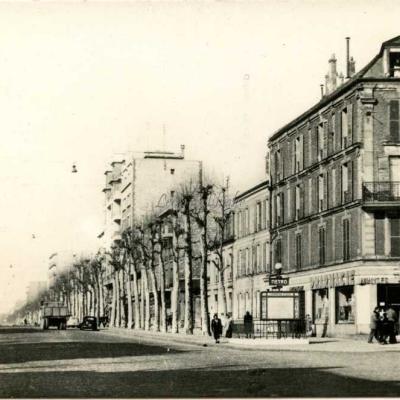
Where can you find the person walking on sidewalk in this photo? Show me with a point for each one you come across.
(248, 324)
(392, 324)
(216, 328)
(374, 333)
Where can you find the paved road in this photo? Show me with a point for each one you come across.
(97, 364)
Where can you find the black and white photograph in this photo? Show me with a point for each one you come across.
(199, 199)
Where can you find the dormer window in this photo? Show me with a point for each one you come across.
(394, 63)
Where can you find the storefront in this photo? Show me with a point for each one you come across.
(340, 301)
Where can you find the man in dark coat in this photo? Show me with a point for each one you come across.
(248, 324)
(216, 328)
(374, 333)
(391, 316)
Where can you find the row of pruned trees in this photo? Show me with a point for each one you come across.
(148, 279)
(159, 263)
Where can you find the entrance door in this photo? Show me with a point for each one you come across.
(395, 176)
(390, 295)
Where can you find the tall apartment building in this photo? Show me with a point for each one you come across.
(139, 184)
(335, 196)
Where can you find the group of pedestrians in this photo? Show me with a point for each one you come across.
(384, 325)
(224, 326)
(221, 327)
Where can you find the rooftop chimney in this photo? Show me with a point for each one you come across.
(352, 66)
(183, 150)
(347, 57)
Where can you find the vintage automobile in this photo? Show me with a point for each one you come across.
(88, 322)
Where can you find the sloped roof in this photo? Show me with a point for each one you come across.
(326, 99)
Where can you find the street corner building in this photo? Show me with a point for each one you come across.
(335, 196)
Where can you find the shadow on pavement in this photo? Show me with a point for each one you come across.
(24, 352)
(9, 330)
(274, 382)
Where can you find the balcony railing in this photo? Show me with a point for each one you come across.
(381, 191)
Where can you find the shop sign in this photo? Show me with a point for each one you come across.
(335, 279)
(278, 281)
(373, 280)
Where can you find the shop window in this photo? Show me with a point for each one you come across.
(345, 304)
(321, 305)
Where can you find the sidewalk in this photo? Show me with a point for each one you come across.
(357, 344)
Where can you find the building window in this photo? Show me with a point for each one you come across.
(298, 250)
(321, 184)
(394, 120)
(278, 251)
(321, 305)
(277, 164)
(333, 186)
(344, 127)
(332, 133)
(265, 256)
(321, 141)
(258, 259)
(258, 217)
(298, 202)
(395, 236)
(247, 261)
(345, 304)
(394, 64)
(247, 221)
(298, 147)
(279, 209)
(322, 245)
(346, 240)
(345, 182)
(310, 196)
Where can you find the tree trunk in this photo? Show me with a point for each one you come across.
(114, 302)
(205, 317)
(138, 324)
(156, 325)
(142, 298)
(163, 316)
(147, 300)
(188, 321)
(175, 296)
(222, 291)
(129, 296)
(122, 301)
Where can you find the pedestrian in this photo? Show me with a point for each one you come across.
(228, 326)
(374, 332)
(392, 324)
(248, 324)
(382, 324)
(309, 325)
(216, 328)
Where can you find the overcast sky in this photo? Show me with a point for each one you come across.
(82, 81)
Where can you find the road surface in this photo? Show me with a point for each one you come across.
(85, 364)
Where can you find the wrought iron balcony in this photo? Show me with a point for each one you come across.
(381, 192)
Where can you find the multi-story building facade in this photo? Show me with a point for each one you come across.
(250, 250)
(335, 197)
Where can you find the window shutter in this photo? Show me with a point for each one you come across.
(350, 124)
(326, 134)
(394, 120)
(301, 201)
(282, 208)
(326, 191)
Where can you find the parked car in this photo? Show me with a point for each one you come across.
(72, 322)
(88, 322)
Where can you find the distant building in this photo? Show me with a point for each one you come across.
(335, 180)
(140, 184)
